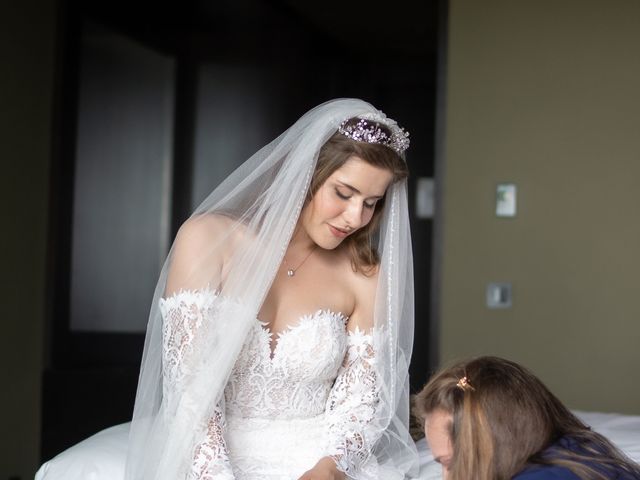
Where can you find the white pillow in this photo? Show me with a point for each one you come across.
(429, 468)
(622, 430)
(99, 457)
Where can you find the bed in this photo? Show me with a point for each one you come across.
(102, 456)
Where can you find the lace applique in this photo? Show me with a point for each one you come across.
(352, 405)
(185, 316)
(293, 380)
(210, 456)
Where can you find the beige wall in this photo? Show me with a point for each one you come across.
(26, 79)
(546, 94)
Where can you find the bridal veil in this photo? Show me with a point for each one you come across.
(260, 203)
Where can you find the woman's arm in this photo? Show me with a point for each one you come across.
(188, 311)
(210, 456)
(353, 405)
(354, 398)
(184, 315)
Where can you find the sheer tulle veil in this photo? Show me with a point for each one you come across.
(260, 203)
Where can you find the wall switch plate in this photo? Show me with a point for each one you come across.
(425, 193)
(506, 194)
(499, 295)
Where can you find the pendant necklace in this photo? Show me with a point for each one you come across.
(292, 271)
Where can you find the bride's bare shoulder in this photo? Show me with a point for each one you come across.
(206, 225)
(363, 283)
(200, 250)
(207, 229)
(360, 279)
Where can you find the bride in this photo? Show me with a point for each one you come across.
(281, 329)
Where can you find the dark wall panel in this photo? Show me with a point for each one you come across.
(122, 173)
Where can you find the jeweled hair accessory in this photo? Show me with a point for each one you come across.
(464, 384)
(370, 129)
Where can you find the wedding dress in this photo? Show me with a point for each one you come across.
(293, 397)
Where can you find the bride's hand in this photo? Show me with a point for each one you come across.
(325, 469)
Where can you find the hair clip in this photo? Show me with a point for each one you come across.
(464, 384)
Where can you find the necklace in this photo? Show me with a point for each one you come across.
(292, 271)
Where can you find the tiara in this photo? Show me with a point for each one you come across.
(368, 129)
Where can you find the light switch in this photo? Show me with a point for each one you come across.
(425, 191)
(499, 295)
(506, 200)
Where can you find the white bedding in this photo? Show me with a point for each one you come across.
(102, 456)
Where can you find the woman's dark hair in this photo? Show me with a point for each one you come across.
(333, 155)
(504, 417)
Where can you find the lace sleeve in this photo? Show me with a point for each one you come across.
(210, 457)
(352, 405)
(185, 315)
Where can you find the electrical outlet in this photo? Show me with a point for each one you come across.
(506, 194)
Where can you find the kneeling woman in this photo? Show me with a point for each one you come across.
(489, 418)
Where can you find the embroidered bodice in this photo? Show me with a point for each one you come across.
(295, 379)
(314, 368)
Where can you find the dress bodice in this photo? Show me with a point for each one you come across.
(316, 394)
(293, 380)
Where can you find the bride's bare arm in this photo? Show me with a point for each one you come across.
(191, 301)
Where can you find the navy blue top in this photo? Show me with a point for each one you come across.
(555, 472)
(546, 472)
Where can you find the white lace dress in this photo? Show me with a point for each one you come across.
(314, 395)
